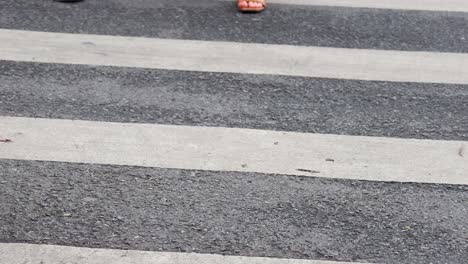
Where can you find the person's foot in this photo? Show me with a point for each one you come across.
(251, 5)
(247, 4)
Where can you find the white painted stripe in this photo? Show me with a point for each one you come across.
(253, 58)
(48, 254)
(429, 5)
(234, 149)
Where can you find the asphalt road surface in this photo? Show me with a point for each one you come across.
(80, 198)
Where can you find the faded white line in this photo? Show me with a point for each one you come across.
(210, 56)
(49, 254)
(234, 149)
(429, 5)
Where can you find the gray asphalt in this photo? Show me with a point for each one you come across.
(224, 212)
(407, 110)
(232, 213)
(214, 20)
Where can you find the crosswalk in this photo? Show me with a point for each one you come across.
(60, 254)
(321, 134)
(197, 148)
(187, 55)
(426, 5)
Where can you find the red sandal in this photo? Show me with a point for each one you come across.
(245, 5)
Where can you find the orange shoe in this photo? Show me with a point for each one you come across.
(251, 5)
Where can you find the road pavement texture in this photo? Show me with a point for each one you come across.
(196, 200)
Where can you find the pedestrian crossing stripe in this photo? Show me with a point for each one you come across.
(235, 149)
(425, 5)
(234, 57)
(50, 254)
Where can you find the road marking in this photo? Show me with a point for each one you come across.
(210, 56)
(234, 149)
(429, 5)
(49, 254)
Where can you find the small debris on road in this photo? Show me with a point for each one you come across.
(406, 228)
(331, 160)
(461, 151)
(88, 43)
(5, 140)
(310, 171)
